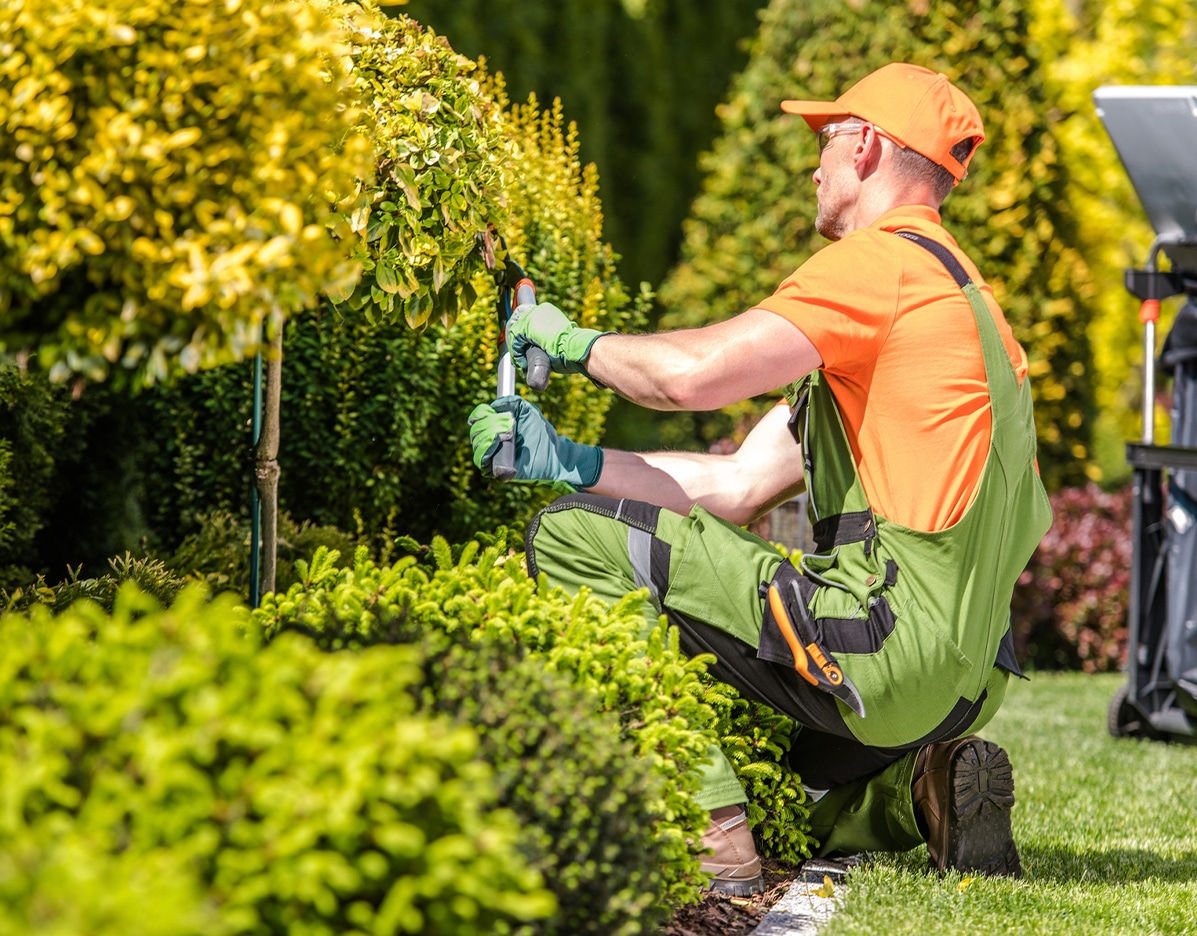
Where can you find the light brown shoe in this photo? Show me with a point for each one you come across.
(964, 792)
(734, 861)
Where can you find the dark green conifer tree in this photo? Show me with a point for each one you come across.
(754, 221)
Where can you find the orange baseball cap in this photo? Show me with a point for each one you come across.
(919, 108)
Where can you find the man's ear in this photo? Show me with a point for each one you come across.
(867, 153)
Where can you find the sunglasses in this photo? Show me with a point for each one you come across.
(824, 134)
(827, 131)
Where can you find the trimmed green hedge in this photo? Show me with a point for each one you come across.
(666, 709)
(277, 789)
(33, 423)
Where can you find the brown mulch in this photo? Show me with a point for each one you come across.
(719, 915)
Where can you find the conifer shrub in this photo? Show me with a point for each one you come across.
(149, 575)
(216, 555)
(158, 754)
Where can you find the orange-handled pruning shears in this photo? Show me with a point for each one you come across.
(811, 662)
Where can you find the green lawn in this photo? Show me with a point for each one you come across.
(1107, 831)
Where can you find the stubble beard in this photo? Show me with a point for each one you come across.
(829, 216)
(829, 223)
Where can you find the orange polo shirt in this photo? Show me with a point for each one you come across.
(902, 358)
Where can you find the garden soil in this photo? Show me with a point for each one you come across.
(719, 915)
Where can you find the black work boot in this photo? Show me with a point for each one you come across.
(735, 863)
(963, 793)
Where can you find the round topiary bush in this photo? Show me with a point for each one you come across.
(363, 392)
(167, 179)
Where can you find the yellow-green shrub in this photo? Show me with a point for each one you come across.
(593, 733)
(373, 422)
(373, 413)
(476, 593)
(654, 693)
(166, 178)
(438, 139)
(1085, 46)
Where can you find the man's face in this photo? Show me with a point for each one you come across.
(836, 185)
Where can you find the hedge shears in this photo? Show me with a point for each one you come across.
(513, 282)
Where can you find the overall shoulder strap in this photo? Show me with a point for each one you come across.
(944, 255)
(1003, 385)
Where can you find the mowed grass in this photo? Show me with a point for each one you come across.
(1107, 831)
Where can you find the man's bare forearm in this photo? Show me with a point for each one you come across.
(740, 487)
(703, 368)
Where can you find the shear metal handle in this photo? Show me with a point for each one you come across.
(502, 466)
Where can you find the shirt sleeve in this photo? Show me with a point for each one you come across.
(844, 299)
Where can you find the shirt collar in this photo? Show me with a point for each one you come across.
(904, 215)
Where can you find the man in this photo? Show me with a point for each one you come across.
(909, 425)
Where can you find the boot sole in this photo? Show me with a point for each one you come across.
(745, 888)
(979, 834)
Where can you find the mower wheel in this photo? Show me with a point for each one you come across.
(1123, 719)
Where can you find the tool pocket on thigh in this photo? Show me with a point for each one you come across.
(837, 616)
(791, 636)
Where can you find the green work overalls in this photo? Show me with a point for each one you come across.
(919, 622)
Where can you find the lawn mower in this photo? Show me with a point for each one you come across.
(1154, 130)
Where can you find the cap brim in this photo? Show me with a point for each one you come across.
(815, 113)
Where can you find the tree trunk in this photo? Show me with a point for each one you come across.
(266, 468)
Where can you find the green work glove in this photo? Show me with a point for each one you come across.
(540, 453)
(566, 344)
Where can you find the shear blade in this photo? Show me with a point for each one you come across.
(846, 693)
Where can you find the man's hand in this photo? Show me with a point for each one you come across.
(566, 344)
(540, 453)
